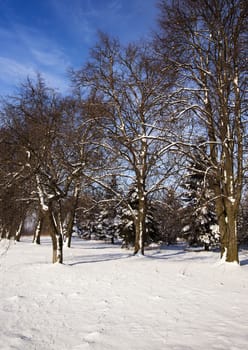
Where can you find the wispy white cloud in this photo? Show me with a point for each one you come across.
(12, 70)
(40, 46)
(26, 51)
(50, 58)
(13, 73)
(62, 39)
(58, 82)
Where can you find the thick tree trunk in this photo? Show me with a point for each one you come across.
(56, 236)
(46, 210)
(227, 220)
(57, 242)
(3, 232)
(139, 238)
(140, 225)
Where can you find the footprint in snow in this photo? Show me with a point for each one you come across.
(92, 337)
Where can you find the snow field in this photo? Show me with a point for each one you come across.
(102, 297)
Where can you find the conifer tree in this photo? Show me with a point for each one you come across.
(199, 215)
(126, 228)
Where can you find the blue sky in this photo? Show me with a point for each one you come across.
(49, 36)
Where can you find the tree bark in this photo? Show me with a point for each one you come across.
(18, 232)
(69, 226)
(217, 73)
(56, 236)
(37, 232)
(140, 222)
(227, 220)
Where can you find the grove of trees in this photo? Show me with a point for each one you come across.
(144, 123)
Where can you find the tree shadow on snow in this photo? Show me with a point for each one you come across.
(164, 252)
(78, 243)
(89, 259)
(180, 251)
(244, 262)
(165, 255)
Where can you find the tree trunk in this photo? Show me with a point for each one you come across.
(18, 232)
(227, 220)
(3, 232)
(56, 236)
(140, 224)
(69, 227)
(59, 240)
(72, 213)
(37, 232)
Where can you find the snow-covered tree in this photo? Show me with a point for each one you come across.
(104, 224)
(54, 137)
(243, 220)
(15, 183)
(134, 93)
(126, 224)
(168, 215)
(200, 222)
(206, 41)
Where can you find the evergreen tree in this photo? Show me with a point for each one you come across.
(168, 215)
(243, 220)
(103, 222)
(126, 228)
(199, 213)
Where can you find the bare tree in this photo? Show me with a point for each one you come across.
(14, 186)
(134, 93)
(84, 152)
(56, 139)
(35, 122)
(207, 42)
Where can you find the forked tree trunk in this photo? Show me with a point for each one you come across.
(47, 215)
(56, 236)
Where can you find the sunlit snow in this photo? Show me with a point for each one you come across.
(104, 298)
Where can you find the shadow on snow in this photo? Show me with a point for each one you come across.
(88, 259)
(244, 262)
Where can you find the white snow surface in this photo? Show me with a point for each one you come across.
(103, 297)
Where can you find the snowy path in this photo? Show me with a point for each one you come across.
(104, 298)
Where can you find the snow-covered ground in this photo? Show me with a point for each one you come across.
(105, 298)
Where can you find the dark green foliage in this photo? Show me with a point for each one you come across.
(200, 223)
(126, 229)
(168, 216)
(243, 221)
